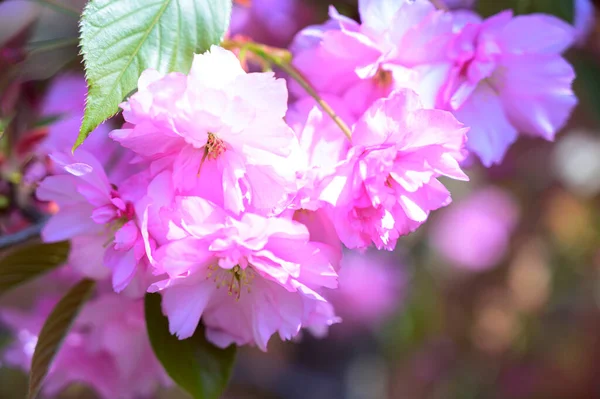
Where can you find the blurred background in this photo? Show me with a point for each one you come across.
(497, 296)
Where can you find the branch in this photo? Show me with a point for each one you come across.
(22, 235)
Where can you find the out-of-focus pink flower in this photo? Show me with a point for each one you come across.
(246, 278)
(507, 77)
(107, 349)
(273, 22)
(475, 232)
(370, 288)
(65, 100)
(93, 214)
(220, 129)
(388, 184)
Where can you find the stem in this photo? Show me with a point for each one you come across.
(297, 76)
(283, 61)
(22, 235)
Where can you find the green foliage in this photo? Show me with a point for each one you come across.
(197, 366)
(54, 331)
(120, 39)
(564, 9)
(28, 262)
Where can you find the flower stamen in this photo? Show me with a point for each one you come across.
(234, 279)
(213, 148)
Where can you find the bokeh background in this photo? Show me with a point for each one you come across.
(496, 296)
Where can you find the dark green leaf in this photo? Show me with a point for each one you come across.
(28, 262)
(54, 331)
(196, 365)
(120, 39)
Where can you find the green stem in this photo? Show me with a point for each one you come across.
(284, 62)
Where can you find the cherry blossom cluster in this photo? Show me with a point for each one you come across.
(235, 208)
(501, 76)
(234, 199)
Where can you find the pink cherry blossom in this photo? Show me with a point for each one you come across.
(220, 129)
(507, 77)
(356, 56)
(247, 278)
(93, 214)
(388, 184)
(107, 348)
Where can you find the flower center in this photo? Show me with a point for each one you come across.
(124, 213)
(389, 181)
(236, 279)
(214, 146)
(383, 78)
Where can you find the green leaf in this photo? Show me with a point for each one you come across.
(120, 39)
(197, 366)
(28, 262)
(564, 9)
(54, 331)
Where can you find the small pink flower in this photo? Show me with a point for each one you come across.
(507, 77)
(247, 278)
(388, 184)
(93, 214)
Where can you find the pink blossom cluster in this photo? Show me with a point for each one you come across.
(501, 76)
(234, 216)
(234, 203)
